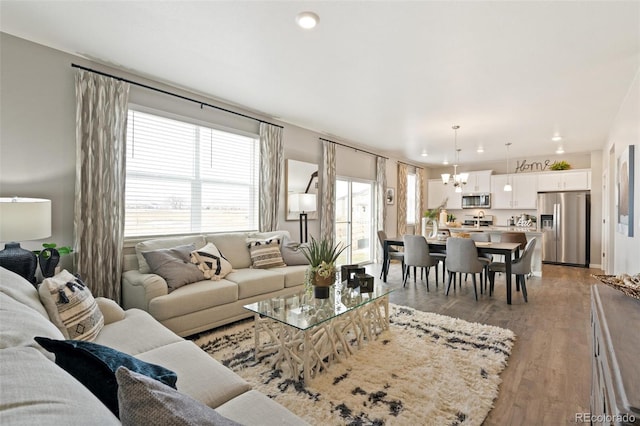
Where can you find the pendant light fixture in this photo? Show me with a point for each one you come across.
(507, 186)
(458, 179)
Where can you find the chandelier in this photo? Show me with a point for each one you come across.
(458, 180)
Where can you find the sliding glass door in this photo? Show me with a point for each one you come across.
(354, 220)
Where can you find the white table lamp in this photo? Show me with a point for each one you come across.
(302, 203)
(23, 219)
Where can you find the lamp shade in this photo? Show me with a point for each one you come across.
(23, 219)
(302, 202)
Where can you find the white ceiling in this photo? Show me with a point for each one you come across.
(389, 75)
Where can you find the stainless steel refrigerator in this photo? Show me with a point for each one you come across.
(564, 219)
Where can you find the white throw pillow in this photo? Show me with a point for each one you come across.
(211, 262)
(71, 307)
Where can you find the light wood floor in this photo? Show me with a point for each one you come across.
(548, 378)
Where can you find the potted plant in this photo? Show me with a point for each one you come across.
(560, 165)
(322, 256)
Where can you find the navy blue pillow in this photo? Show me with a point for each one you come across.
(95, 367)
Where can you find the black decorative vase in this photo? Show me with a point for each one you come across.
(49, 259)
(22, 262)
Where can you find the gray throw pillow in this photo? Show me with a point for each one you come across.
(174, 265)
(291, 253)
(144, 401)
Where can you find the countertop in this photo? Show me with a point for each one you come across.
(494, 229)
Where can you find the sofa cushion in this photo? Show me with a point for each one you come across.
(143, 401)
(233, 245)
(18, 288)
(263, 411)
(211, 262)
(265, 253)
(293, 275)
(71, 306)
(19, 324)
(163, 243)
(35, 391)
(192, 298)
(174, 265)
(137, 332)
(199, 375)
(253, 282)
(95, 366)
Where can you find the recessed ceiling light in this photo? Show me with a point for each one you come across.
(560, 150)
(424, 153)
(480, 150)
(445, 162)
(556, 138)
(307, 20)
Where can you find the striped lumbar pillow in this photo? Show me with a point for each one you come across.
(71, 307)
(265, 253)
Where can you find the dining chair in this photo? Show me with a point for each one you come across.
(462, 257)
(484, 238)
(442, 257)
(416, 254)
(520, 268)
(394, 253)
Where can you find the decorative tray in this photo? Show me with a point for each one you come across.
(629, 285)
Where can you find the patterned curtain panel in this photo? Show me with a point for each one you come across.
(327, 200)
(401, 198)
(381, 187)
(420, 174)
(101, 127)
(271, 166)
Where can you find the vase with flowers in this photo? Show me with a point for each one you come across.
(322, 256)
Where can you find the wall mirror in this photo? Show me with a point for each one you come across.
(301, 178)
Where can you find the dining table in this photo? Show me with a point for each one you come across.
(510, 251)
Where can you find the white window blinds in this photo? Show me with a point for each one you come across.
(186, 178)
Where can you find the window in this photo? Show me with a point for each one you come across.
(411, 199)
(187, 178)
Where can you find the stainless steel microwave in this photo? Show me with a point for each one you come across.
(476, 201)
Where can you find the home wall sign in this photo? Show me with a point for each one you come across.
(533, 166)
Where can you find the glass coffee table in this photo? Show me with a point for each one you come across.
(308, 334)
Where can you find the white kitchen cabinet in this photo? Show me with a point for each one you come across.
(566, 180)
(478, 182)
(437, 192)
(522, 196)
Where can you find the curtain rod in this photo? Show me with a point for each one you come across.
(166, 92)
(412, 165)
(356, 149)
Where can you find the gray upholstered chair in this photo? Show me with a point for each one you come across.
(520, 268)
(442, 257)
(462, 257)
(416, 254)
(485, 238)
(394, 254)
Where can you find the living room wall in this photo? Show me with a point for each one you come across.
(624, 132)
(37, 132)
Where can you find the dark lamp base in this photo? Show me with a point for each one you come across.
(18, 260)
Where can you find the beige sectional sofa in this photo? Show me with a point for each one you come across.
(35, 391)
(207, 304)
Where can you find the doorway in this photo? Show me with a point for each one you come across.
(354, 220)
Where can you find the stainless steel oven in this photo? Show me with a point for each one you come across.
(476, 201)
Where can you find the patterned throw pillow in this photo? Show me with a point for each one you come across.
(147, 402)
(265, 253)
(211, 262)
(71, 307)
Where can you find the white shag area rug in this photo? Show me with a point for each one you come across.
(428, 369)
